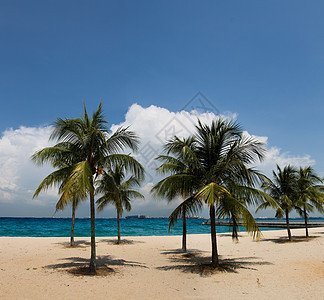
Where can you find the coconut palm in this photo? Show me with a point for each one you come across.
(87, 136)
(309, 195)
(224, 155)
(74, 204)
(117, 190)
(283, 189)
(63, 162)
(182, 182)
(219, 159)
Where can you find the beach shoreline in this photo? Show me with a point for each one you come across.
(154, 267)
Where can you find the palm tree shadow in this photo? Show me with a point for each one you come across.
(285, 240)
(80, 266)
(122, 242)
(194, 262)
(228, 234)
(77, 244)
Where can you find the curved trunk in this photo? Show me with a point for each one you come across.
(305, 217)
(184, 230)
(92, 265)
(215, 261)
(288, 227)
(72, 226)
(118, 225)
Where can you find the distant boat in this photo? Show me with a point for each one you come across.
(136, 217)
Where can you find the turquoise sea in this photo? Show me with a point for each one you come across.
(52, 227)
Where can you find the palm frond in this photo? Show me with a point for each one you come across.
(211, 193)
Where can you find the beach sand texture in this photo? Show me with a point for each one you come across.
(154, 268)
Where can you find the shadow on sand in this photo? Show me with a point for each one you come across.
(295, 239)
(80, 266)
(77, 244)
(194, 262)
(122, 242)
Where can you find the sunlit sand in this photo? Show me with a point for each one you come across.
(155, 268)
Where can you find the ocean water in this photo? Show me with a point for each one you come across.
(61, 227)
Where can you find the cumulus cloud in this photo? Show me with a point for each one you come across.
(155, 125)
(19, 176)
(274, 156)
(17, 172)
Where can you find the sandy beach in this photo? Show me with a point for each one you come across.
(155, 268)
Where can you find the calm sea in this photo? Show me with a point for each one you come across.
(52, 227)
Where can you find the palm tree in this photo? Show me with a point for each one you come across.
(74, 203)
(88, 139)
(219, 159)
(190, 206)
(309, 195)
(66, 161)
(182, 181)
(117, 190)
(283, 189)
(223, 156)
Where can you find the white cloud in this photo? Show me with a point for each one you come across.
(19, 177)
(156, 124)
(18, 174)
(274, 156)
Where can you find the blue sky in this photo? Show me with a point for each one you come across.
(261, 60)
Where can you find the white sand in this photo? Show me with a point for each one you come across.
(153, 268)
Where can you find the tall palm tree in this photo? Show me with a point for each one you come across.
(62, 162)
(219, 159)
(223, 156)
(309, 193)
(117, 190)
(87, 136)
(182, 181)
(283, 189)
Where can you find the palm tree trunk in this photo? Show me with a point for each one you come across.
(118, 225)
(184, 230)
(92, 266)
(288, 227)
(215, 261)
(72, 226)
(306, 225)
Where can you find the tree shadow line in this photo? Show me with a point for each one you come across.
(122, 242)
(285, 240)
(80, 265)
(85, 243)
(195, 262)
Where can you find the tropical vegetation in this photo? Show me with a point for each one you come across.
(220, 156)
(117, 189)
(294, 189)
(86, 147)
(182, 181)
(309, 193)
(283, 189)
(213, 166)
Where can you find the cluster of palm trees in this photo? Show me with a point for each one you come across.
(295, 189)
(87, 160)
(211, 167)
